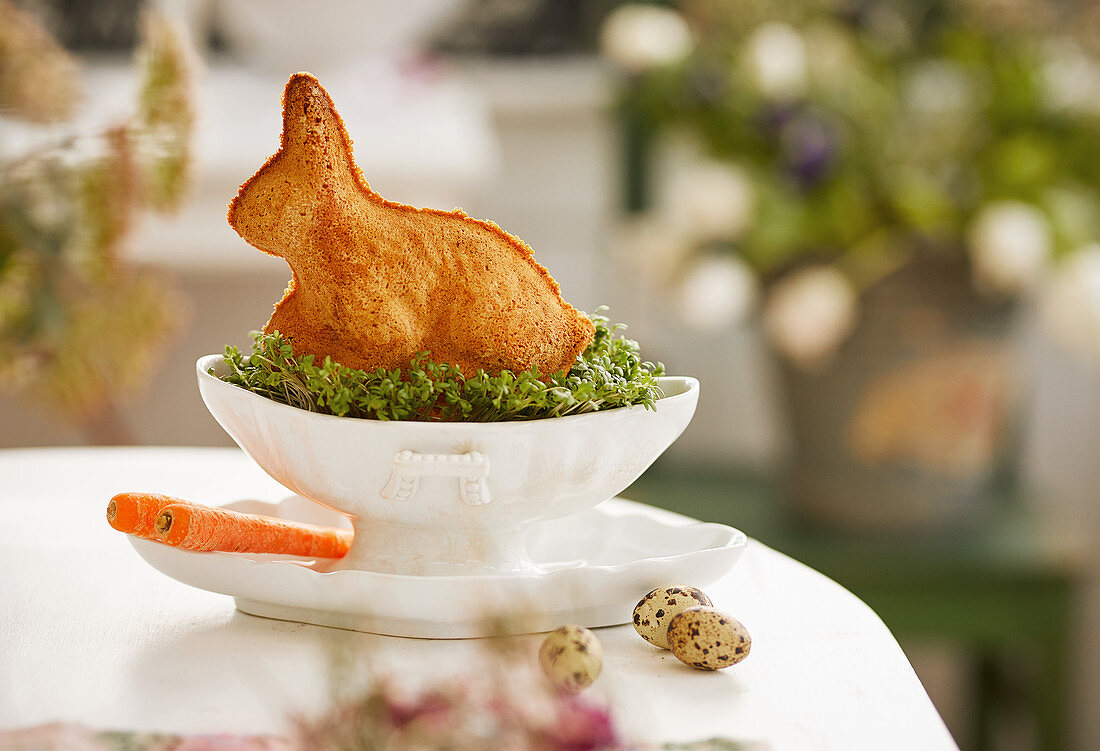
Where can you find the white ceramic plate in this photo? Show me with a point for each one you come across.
(592, 568)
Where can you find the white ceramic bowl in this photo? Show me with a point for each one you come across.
(447, 498)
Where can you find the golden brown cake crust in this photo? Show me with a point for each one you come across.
(376, 282)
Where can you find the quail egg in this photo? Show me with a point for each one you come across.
(571, 657)
(656, 610)
(708, 639)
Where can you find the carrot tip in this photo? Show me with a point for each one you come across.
(112, 510)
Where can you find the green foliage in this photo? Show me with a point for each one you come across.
(609, 373)
(39, 80)
(165, 115)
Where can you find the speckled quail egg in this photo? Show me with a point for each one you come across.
(708, 639)
(571, 657)
(656, 610)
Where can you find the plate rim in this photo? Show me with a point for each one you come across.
(738, 540)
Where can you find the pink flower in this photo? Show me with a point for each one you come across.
(431, 711)
(581, 726)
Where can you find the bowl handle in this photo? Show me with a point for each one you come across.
(471, 469)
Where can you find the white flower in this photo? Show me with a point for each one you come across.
(1071, 78)
(1009, 246)
(809, 313)
(776, 56)
(715, 292)
(1070, 303)
(934, 87)
(708, 201)
(640, 37)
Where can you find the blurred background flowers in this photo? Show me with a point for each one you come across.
(870, 227)
(896, 176)
(79, 327)
(867, 134)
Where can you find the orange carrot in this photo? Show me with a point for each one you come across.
(135, 513)
(194, 527)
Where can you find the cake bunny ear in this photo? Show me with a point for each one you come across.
(314, 158)
(313, 133)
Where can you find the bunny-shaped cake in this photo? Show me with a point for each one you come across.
(375, 282)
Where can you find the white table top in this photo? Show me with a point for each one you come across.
(89, 633)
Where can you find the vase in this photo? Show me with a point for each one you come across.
(909, 426)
